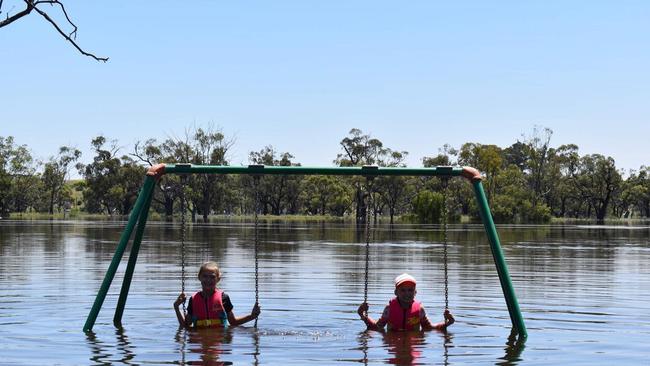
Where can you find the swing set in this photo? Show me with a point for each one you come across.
(140, 214)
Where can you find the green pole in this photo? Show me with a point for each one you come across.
(499, 260)
(119, 251)
(133, 257)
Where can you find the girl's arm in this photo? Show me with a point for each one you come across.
(182, 321)
(370, 323)
(235, 321)
(449, 320)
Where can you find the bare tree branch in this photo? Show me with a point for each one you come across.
(33, 5)
(11, 19)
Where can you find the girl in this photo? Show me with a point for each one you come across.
(403, 312)
(210, 307)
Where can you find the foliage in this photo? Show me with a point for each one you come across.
(19, 184)
(528, 181)
(55, 174)
(427, 207)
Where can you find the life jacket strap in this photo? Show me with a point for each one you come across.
(209, 322)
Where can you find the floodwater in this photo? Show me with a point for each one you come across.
(583, 292)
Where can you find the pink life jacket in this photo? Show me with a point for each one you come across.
(208, 312)
(403, 319)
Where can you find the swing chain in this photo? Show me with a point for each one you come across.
(256, 179)
(183, 227)
(445, 184)
(369, 204)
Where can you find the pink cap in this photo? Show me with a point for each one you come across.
(404, 278)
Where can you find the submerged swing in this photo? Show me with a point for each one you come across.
(395, 314)
(210, 321)
(139, 217)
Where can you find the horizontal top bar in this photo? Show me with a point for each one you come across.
(368, 171)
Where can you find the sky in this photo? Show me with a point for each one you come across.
(298, 75)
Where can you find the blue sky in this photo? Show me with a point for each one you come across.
(300, 74)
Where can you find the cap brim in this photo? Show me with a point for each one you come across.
(404, 282)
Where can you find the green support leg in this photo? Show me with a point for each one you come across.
(119, 252)
(133, 258)
(500, 262)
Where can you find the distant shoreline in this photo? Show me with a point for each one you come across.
(156, 217)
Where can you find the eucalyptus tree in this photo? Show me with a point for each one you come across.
(393, 190)
(278, 193)
(325, 195)
(562, 194)
(360, 150)
(488, 159)
(55, 174)
(637, 191)
(102, 192)
(19, 183)
(150, 153)
(459, 195)
(202, 146)
(597, 180)
(204, 193)
(112, 182)
(538, 148)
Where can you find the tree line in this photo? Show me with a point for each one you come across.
(528, 181)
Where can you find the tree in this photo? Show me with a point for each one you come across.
(487, 159)
(359, 150)
(204, 192)
(513, 201)
(459, 194)
(207, 146)
(538, 145)
(393, 190)
(561, 190)
(112, 184)
(44, 9)
(637, 191)
(427, 207)
(151, 153)
(278, 193)
(55, 173)
(18, 180)
(597, 180)
(325, 194)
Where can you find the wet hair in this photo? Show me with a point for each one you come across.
(210, 266)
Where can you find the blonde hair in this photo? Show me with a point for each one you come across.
(210, 266)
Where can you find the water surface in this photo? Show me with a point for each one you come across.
(582, 291)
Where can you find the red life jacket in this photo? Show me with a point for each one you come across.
(403, 319)
(208, 312)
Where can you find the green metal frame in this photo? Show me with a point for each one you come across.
(141, 211)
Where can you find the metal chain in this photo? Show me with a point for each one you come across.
(445, 184)
(256, 205)
(183, 226)
(367, 229)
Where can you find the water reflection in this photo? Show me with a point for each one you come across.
(363, 345)
(101, 352)
(208, 344)
(404, 348)
(446, 345)
(514, 347)
(98, 352)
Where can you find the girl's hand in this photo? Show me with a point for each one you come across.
(449, 319)
(180, 300)
(256, 311)
(363, 309)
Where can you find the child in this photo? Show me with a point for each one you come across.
(210, 307)
(403, 312)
